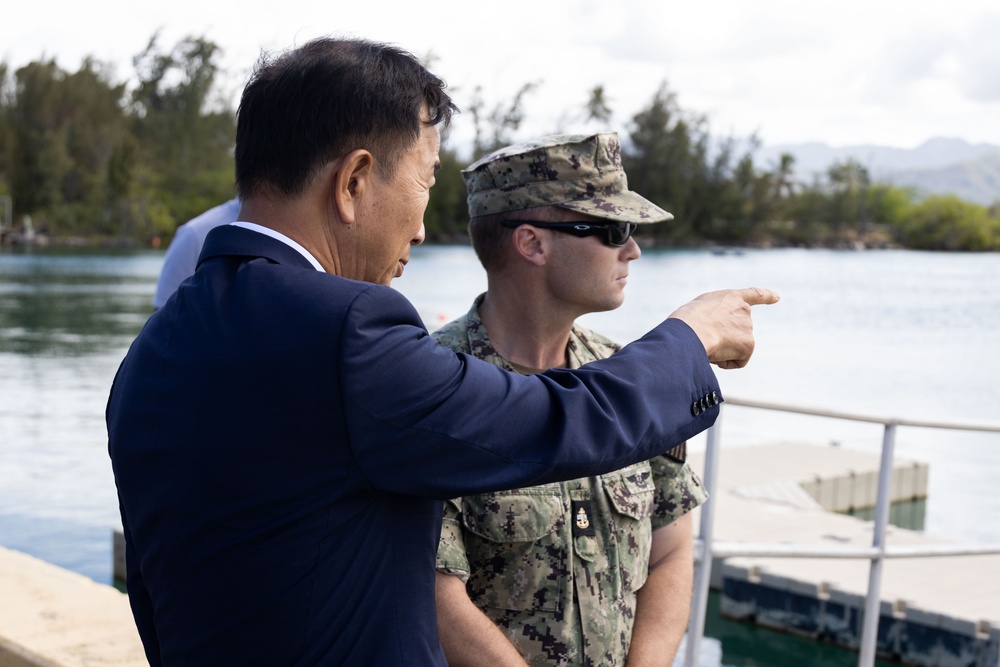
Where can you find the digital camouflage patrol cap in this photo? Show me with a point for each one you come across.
(576, 171)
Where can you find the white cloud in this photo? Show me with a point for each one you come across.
(854, 71)
(979, 59)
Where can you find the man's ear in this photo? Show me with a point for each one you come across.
(351, 181)
(529, 244)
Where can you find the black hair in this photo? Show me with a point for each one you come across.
(317, 103)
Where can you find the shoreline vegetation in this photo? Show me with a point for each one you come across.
(89, 160)
(12, 240)
(876, 238)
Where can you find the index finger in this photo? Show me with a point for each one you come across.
(756, 296)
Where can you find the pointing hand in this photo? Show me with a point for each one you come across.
(722, 322)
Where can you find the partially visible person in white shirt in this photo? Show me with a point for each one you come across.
(182, 255)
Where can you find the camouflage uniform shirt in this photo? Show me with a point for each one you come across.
(557, 566)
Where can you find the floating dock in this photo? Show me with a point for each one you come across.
(941, 611)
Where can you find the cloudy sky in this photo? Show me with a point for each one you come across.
(884, 72)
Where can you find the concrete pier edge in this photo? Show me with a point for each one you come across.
(51, 617)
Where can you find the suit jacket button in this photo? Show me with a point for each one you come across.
(695, 409)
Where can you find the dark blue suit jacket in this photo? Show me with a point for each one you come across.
(280, 438)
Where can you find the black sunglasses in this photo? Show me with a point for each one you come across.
(614, 234)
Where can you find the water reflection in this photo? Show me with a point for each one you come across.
(910, 514)
(54, 303)
(749, 645)
(907, 334)
(66, 319)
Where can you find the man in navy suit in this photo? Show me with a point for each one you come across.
(283, 429)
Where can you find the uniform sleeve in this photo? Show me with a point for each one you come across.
(421, 420)
(179, 263)
(451, 555)
(182, 256)
(678, 490)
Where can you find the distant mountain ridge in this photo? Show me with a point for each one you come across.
(938, 166)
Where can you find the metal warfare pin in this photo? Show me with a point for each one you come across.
(581, 518)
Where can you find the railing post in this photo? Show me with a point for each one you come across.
(869, 631)
(703, 570)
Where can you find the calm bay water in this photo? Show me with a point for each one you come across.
(893, 333)
(886, 333)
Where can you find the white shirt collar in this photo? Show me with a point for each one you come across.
(267, 231)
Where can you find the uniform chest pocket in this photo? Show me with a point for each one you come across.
(631, 492)
(517, 555)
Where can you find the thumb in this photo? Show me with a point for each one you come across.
(756, 296)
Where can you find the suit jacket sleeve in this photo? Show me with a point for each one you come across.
(422, 420)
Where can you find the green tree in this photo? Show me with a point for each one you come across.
(946, 222)
(496, 127)
(446, 217)
(783, 176)
(849, 182)
(64, 128)
(658, 160)
(91, 145)
(749, 201)
(597, 109)
(184, 136)
(805, 212)
(6, 134)
(778, 200)
(40, 155)
(889, 204)
(671, 159)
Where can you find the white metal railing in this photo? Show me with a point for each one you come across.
(708, 548)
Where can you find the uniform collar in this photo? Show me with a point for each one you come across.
(582, 347)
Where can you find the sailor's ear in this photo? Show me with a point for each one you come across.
(530, 243)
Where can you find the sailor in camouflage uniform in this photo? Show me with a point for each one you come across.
(595, 570)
